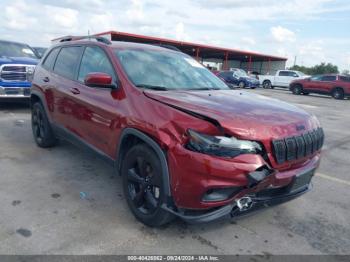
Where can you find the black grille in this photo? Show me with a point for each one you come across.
(297, 147)
(14, 73)
(14, 68)
(14, 76)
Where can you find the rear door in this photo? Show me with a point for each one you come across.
(63, 79)
(281, 78)
(313, 85)
(45, 80)
(327, 83)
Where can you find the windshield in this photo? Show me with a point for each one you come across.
(16, 50)
(300, 73)
(166, 70)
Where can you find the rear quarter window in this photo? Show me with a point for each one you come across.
(283, 73)
(344, 78)
(328, 78)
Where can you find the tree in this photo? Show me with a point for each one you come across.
(320, 69)
(345, 72)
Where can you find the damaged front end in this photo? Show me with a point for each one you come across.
(249, 201)
(229, 163)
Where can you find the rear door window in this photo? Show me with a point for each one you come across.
(67, 61)
(283, 73)
(328, 78)
(95, 60)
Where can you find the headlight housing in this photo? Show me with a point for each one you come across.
(221, 145)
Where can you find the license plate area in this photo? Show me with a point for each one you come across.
(301, 181)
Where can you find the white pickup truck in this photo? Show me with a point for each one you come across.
(281, 79)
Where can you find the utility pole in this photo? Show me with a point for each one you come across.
(295, 60)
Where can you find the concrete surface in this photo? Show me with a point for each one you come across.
(65, 201)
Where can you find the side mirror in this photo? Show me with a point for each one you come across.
(101, 80)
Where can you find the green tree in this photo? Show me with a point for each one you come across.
(320, 69)
(345, 72)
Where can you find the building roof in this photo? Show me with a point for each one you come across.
(193, 49)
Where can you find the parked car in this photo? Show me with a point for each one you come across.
(282, 78)
(337, 86)
(17, 64)
(40, 51)
(185, 144)
(238, 77)
(254, 74)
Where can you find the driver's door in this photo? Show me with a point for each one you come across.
(95, 107)
(313, 84)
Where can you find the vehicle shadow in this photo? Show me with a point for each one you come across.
(14, 105)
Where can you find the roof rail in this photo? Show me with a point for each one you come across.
(88, 37)
(168, 46)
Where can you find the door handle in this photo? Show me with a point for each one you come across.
(75, 91)
(46, 79)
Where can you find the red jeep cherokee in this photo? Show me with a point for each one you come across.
(184, 143)
(337, 86)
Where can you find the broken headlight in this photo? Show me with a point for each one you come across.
(221, 145)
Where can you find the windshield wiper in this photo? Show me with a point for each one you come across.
(160, 88)
(206, 88)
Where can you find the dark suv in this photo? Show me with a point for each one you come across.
(184, 143)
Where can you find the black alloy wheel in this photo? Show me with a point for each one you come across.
(338, 93)
(143, 185)
(42, 132)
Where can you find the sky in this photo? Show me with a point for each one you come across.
(313, 31)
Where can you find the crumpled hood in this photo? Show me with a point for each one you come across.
(18, 60)
(241, 113)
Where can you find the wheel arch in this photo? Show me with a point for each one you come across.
(36, 96)
(337, 87)
(132, 136)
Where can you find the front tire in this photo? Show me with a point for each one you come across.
(42, 131)
(338, 93)
(143, 186)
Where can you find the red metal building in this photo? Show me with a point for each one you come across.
(250, 61)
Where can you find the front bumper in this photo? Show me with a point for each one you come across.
(253, 84)
(232, 210)
(14, 91)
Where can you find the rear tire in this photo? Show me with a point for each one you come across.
(42, 131)
(143, 186)
(305, 93)
(338, 93)
(267, 84)
(241, 84)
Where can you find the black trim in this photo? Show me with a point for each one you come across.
(63, 133)
(150, 142)
(231, 210)
(43, 102)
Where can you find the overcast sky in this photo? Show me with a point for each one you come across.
(313, 30)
